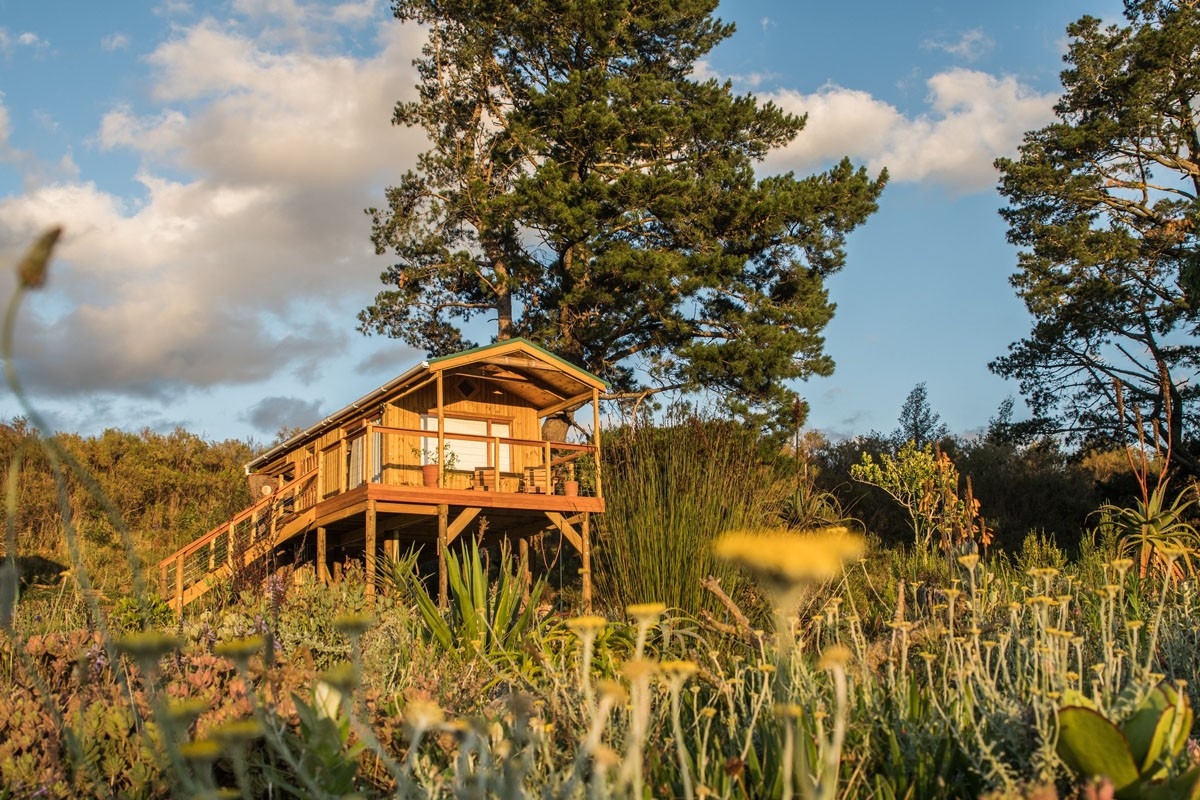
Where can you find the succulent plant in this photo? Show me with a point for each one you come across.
(1139, 755)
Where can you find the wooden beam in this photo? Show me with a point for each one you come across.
(322, 556)
(442, 544)
(568, 530)
(370, 550)
(596, 440)
(576, 401)
(526, 574)
(441, 417)
(586, 558)
(460, 523)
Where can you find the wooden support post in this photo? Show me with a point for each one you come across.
(322, 556)
(441, 420)
(496, 462)
(366, 449)
(370, 548)
(586, 556)
(442, 545)
(596, 439)
(527, 576)
(179, 584)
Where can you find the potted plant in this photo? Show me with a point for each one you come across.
(570, 486)
(432, 464)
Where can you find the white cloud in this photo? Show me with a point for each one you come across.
(971, 118)
(29, 39)
(246, 252)
(114, 41)
(970, 46)
(9, 42)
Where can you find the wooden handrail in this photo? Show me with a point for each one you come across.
(477, 437)
(198, 544)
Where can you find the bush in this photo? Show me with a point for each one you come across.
(668, 492)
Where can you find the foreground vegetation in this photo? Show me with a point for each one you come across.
(819, 664)
(906, 675)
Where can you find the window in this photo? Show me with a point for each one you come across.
(469, 455)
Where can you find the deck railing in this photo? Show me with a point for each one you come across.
(379, 454)
(182, 575)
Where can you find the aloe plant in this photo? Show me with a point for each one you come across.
(1137, 756)
(483, 617)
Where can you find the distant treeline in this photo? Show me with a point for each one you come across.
(168, 489)
(1038, 487)
(171, 488)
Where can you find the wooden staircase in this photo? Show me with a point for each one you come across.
(213, 559)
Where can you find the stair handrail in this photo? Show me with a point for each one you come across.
(204, 540)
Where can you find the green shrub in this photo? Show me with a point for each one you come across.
(669, 491)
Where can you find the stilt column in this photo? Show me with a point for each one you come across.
(370, 550)
(442, 544)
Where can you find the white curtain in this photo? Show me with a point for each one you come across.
(469, 454)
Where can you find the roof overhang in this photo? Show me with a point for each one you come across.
(529, 372)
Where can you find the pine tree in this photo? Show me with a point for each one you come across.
(919, 423)
(1104, 205)
(583, 186)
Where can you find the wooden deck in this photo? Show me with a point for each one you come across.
(368, 521)
(455, 445)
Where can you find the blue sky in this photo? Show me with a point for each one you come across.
(211, 161)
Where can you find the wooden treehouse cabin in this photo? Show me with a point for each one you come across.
(452, 443)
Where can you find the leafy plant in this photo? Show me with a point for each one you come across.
(669, 491)
(925, 482)
(1155, 533)
(429, 455)
(484, 617)
(1142, 755)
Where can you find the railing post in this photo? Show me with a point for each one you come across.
(546, 461)
(496, 461)
(596, 439)
(366, 460)
(179, 583)
(441, 431)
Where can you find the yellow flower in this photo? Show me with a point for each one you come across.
(200, 750)
(680, 670)
(789, 559)
(837, 655)
(147, 644)
(240, 649)
(613, 690)
(239, 730)
(788, 711)
(638, 668)
(343, 677)
(353, 624)
(424, 714)
(646, 613)
(588, 624)
(185, 711)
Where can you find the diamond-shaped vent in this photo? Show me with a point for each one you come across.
(466, 388)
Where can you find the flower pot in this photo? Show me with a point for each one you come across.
(570, 488)
(429, 473)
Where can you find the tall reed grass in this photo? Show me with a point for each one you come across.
(669, 491)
